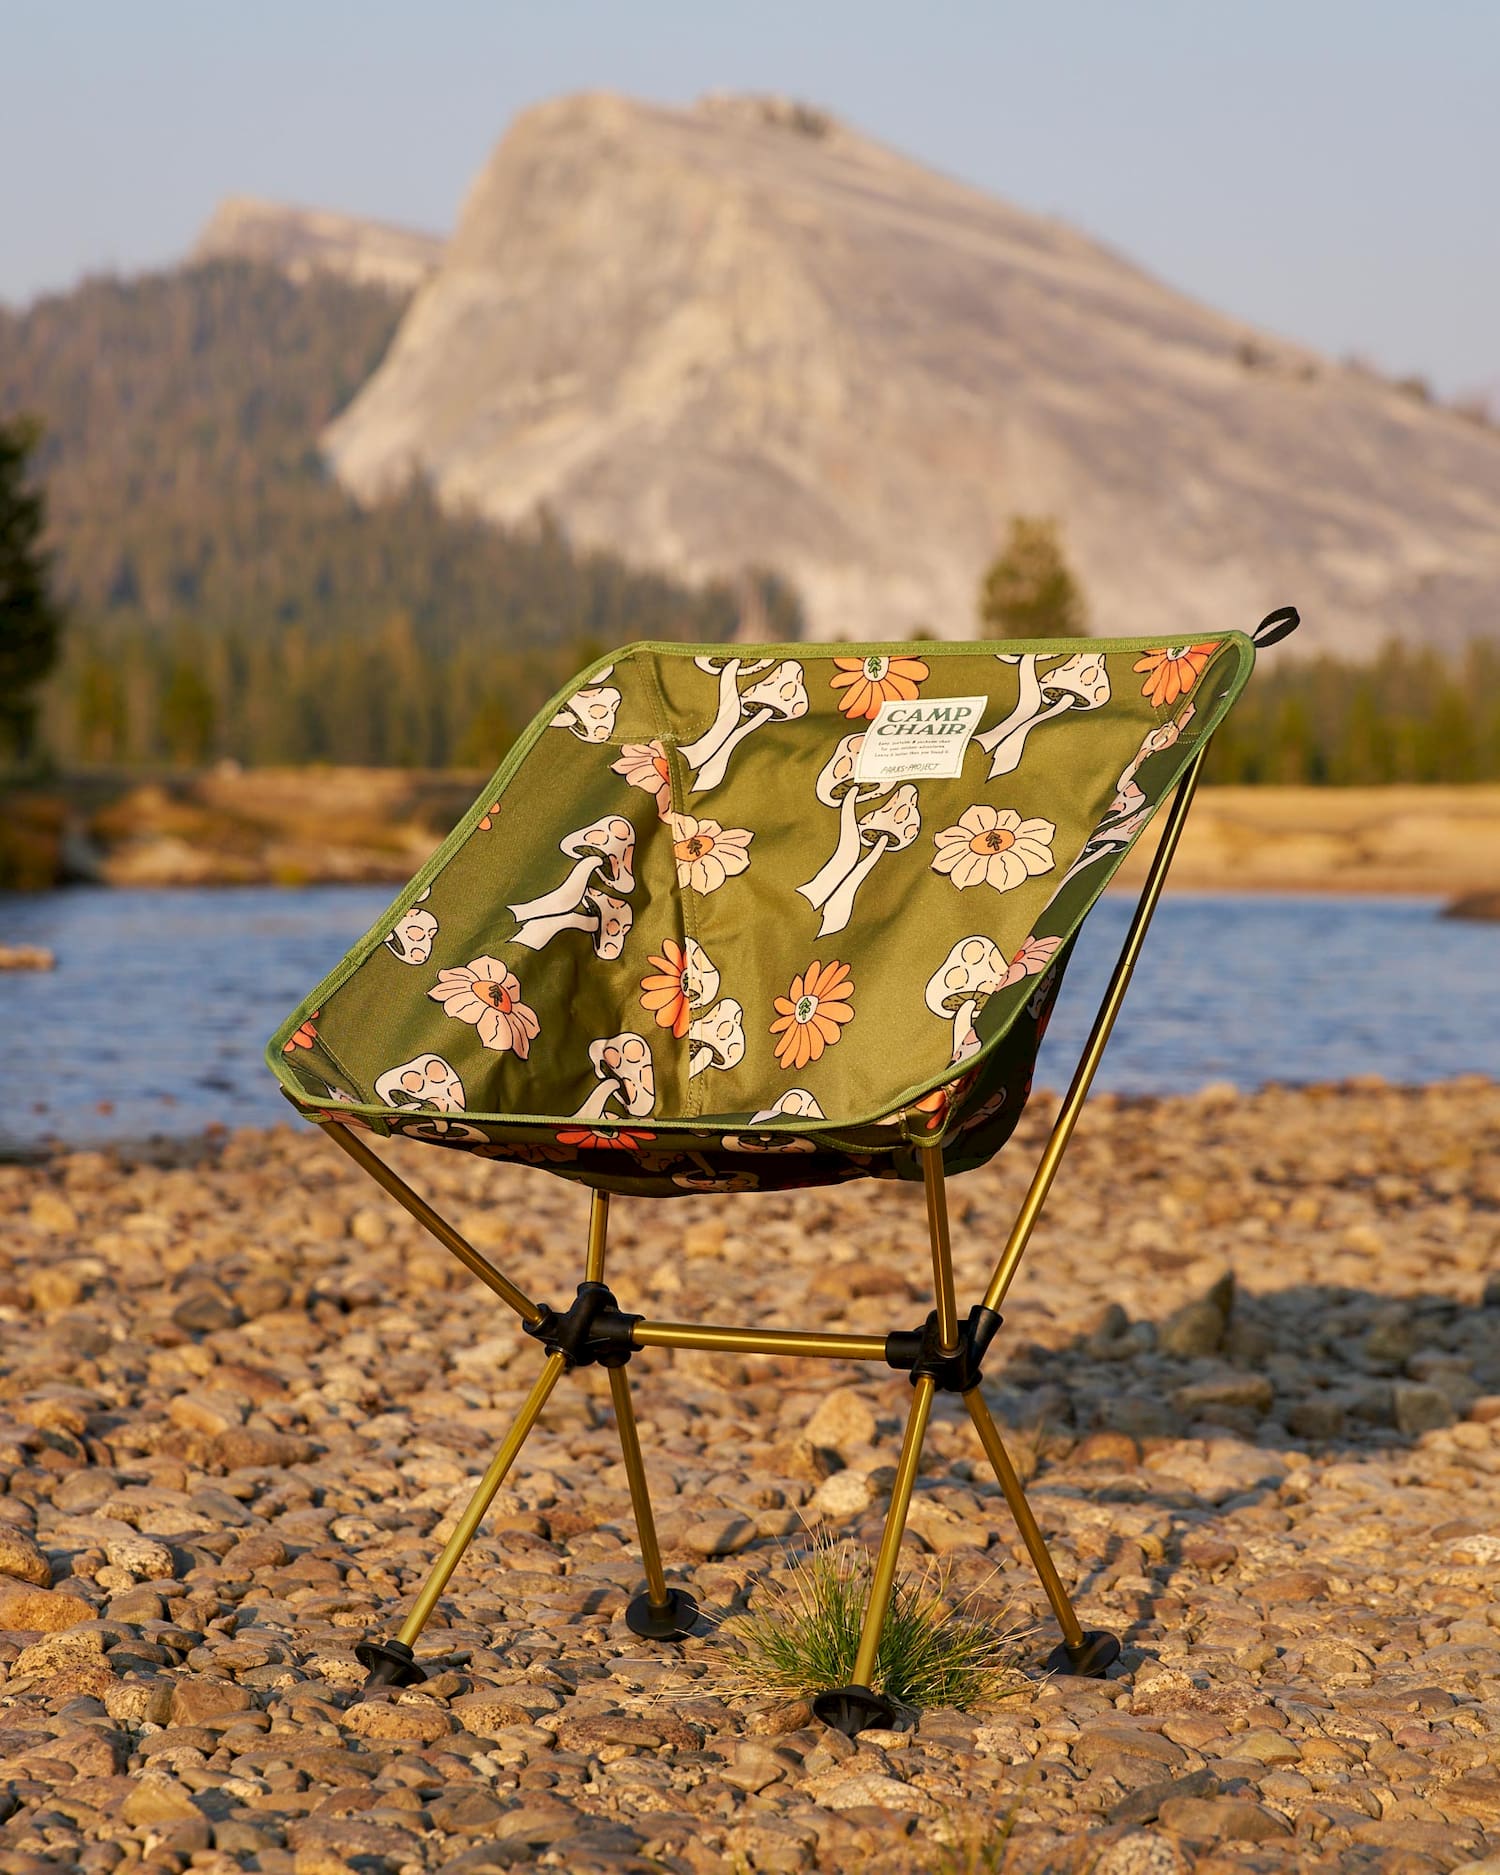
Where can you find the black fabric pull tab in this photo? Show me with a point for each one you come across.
(1275, 626)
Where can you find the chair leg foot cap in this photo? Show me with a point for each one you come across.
(673, 1620)
(853, 1709)
(1091, 1659)
(388, 1663)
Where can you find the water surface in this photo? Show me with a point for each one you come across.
(155, 1018)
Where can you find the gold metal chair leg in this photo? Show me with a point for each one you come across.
(1086, 1652)
(662, 1613)
(942, 1256)
(390, 1662)
(856, 1707)
(1093, 1050)
(348, 1141)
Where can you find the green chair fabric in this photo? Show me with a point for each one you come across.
(744, 917)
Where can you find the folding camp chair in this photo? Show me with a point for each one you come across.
(734, 918)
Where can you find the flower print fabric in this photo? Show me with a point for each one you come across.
(707, 854)
(1171, 673)
(994, 846)
(683, 981)
(644, 765)
(488, 995)
(869, 682)
(811, 1016)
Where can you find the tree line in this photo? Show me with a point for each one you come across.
(225, 598)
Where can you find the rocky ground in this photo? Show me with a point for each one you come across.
(1253, 1365)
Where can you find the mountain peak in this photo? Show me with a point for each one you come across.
(743, 333)
(302, 241)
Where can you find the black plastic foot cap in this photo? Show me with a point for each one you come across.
(389, 1663)
(1091, 1659)
(672, 1620)
(854, 1709)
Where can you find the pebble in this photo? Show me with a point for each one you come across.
(1261, 1429)
(22, 1558)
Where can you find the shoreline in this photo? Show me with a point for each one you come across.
(295, 827)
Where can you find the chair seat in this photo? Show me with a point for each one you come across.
(757, 916)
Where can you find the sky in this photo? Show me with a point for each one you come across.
(1324, 169)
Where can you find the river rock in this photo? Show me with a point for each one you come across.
(22, 1559)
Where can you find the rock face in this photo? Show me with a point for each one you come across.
(302, 241)
(742, 333)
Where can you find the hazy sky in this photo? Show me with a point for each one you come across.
(1324, 168)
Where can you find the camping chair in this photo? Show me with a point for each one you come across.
(741, 918)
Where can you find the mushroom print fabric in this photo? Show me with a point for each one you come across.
(713, 926)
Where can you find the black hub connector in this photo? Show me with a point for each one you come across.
(919, 1351)
(593, 1328)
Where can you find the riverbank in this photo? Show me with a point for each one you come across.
(1252, 1367)
(306, 826)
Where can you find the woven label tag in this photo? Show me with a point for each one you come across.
(927, 736)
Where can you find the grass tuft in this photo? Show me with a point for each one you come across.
(802, 1633)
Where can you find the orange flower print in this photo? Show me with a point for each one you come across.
(869, 682)
(303, 1037)
(488, 818)
(811, 1016)
(644, 765)
(684, 981)
(585, 1139)
(1171, 674)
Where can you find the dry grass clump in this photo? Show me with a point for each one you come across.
(801, 1634)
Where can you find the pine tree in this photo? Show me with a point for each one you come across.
(30, 621)
(1029, 590)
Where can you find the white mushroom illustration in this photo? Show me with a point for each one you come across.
(425, 1084)
(962, 984)
(590, 713)
(411, 939)
(1111, 837)
(795, 1101)
(716, 1181)
(1080, 682)
(1129, 795)
(582, 902)
(625, 1073)
(730, 670)
(781, 695)
(888, 828)
(717, 1038)
(836, 787)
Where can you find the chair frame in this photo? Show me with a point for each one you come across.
(944, 1355)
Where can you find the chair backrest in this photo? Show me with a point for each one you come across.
(730, 896)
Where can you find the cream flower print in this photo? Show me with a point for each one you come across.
(644, 765)
(488, 995)
(706, 853)
(994, 846)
